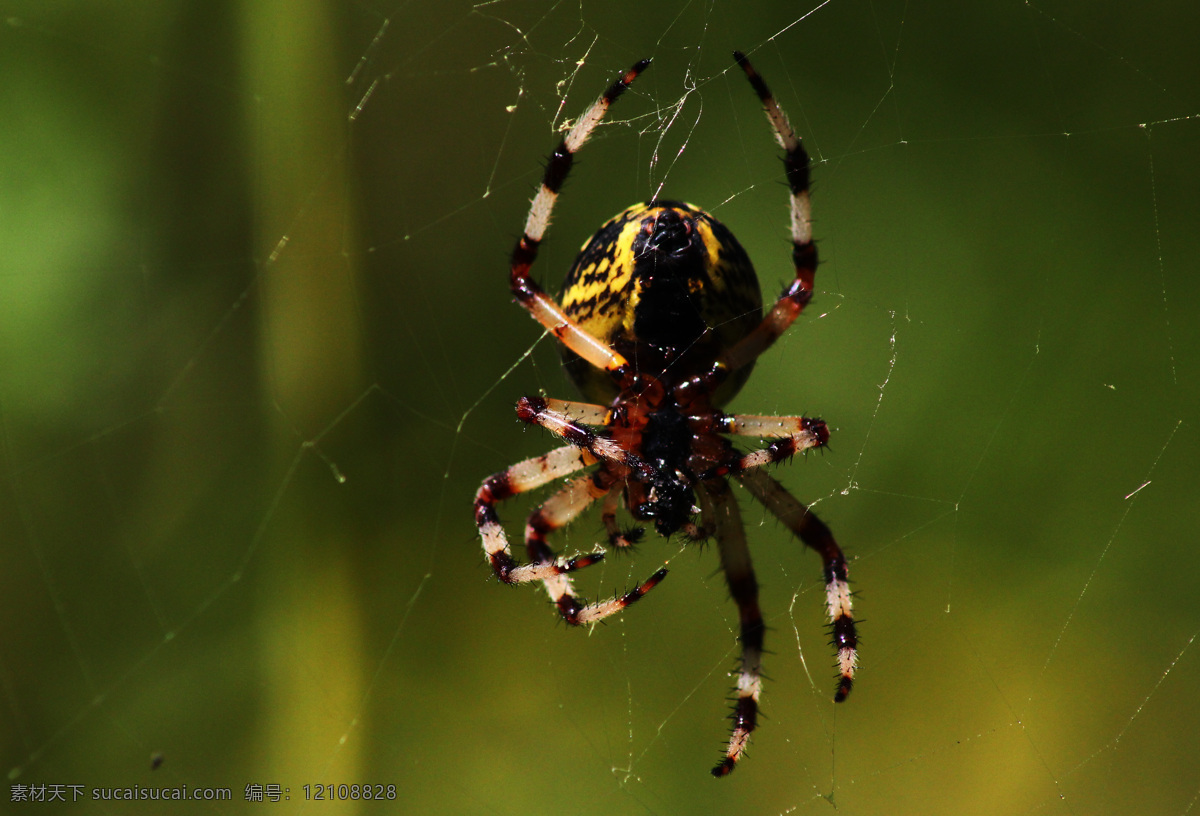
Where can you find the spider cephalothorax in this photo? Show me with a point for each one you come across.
(660, 320)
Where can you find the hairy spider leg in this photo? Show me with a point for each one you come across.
(521, 478)
(813, 532)
(526, 290)
(602, 416)
(721, 512)
(804, 252)
(621, 539)
(792, 435)
(616, 467)
(763, 426)
(584, 412)
(555, 512)
(540, 411)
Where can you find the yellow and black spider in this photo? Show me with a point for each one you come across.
(660, 322)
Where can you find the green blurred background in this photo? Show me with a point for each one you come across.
(257, 352)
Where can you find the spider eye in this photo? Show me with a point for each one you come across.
(670, 503)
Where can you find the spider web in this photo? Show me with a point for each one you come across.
(258, 352)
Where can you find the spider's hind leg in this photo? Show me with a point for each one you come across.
(527, 292)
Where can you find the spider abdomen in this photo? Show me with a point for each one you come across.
(666, 285)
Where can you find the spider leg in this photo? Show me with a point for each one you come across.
(721, 513)
(804, 251)
(558, 511)
(600, 415)
(792, 435)
(618, 538)
(583, 412)
(764, 427)
(520, 478)
(541, 411)
(813, 532)
(527, 291)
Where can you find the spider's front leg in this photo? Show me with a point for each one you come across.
(618, 537)
(587, 448)
(555, 513)
(616, 466)
(813, 532)
(520, 478)
(720, 510)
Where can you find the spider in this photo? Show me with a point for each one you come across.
(660, 321)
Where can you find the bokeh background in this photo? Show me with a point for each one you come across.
(257, 352)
